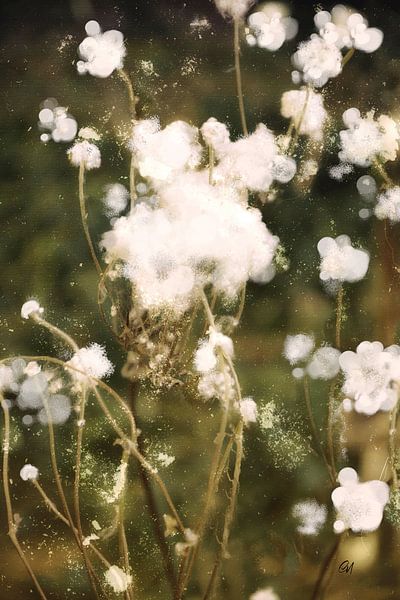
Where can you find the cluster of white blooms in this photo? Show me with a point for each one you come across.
(340, 261)
(215, 380)
(316, 61)
(347, 29)
(234, 9)
(359, 506)
(369, 374)
(270, 27)
(200, 234)
(62, 127)
(30, 309)
(116, 199)
(324, 363)
(85, 153)
(298, 348)
(29, 473)
(248, 410)
(101, 53)
(388, 205)
(264, 594)
(92, 361)
(161, 154)
(367, 139)
(311, 516)
(118, 579)
(306, 109)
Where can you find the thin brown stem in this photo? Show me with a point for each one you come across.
(239, 85)
(330, 430)
(339, 316)
(318, 592)
(392, 445)
(314, 430)
(84, 215)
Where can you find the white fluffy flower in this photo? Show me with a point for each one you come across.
(163, 153)
(269, 28)
(347, 29)
(254, 162)
(85, 153)
(115, 199)
(201, 234)
(215, 134)
(388, 205)
(92, 360)
(264, 594)
(340, 261)
(324, 363)
(317, 60)
(359, 506)
(29, 473)
(311, 516)
(30, 309)
(298, 347)
(101, 53)
(235, 9)
(368, 376)
(206, 356)
(7, 378)
(118, 579)
(367, 139)
(55, 119)
(248, 410)
(306, 109)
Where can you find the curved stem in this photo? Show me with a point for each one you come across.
(318, 591)
(82, 204)
(392, 445)
(12, 527)
(56, 331)
(339, 316)
(239, 86)
(131, 94)
(330, 432)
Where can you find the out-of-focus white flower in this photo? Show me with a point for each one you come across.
(270, 27)
(92, 360)
(116, 199)
(7, 378)
(234, 9)
(264, 594)
(101, 53)
(340, 261)
(29, 473)
(56, 119)
(32, 368)
(347, 29)
(324, 363)
(30, 309)
(206, 358)
(359, 506)
(366, 187)
(298, 347)
(163, 153)
(388, 205)
(306, 109)
(368, 376)
(58, 410)
(367, 139)
(311, 516)
(248, 410)
(215, 134)
(191, 539)
(317, 61)
(118, 579)
(85, 153)
(90, 134)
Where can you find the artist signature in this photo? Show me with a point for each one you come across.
(346, 567)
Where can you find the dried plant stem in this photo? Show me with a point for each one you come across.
(392, 445)
(239, 86)
(318, 592)
(339, 316)
(347, 56)
(380, 169)
(12, 527)
(330, 430)
(314, 430)
(297, 125)
(223, 550)
(123, 544)
(84, 215)
(211, 163)
(56, 331)
(132, 107)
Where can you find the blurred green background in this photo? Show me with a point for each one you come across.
(43, 253)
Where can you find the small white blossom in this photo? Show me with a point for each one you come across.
(269, 28)
(340, 261)
(215, 134)
(92, 360)
(367, 139)
(311, 516)
(101, 53)
(298, 347)
(248, 410)
(206, 356)
(388, 205)
(31, 308)
(116, 199)
(85, 153)
(191, 539)
(359, 506)
(264, 594)
(306, 109)
(348, 29)
(324, 363)
(234, 9)
(29, 473)
(317, 61)
(118, 579)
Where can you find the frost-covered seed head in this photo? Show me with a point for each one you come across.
(340, 261)
(234, 9)
(117, 579)
(298, 347)
(101, 53)
(85, 153)
(311, 516)
(388, 205)
(270, 27)
(92, 360)
(307, 111)
(347, 29)
(29, 473)
(30, 309)
(248, 410)
(317, 61)
(324, 363)
(115, 199)
(264, 594)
